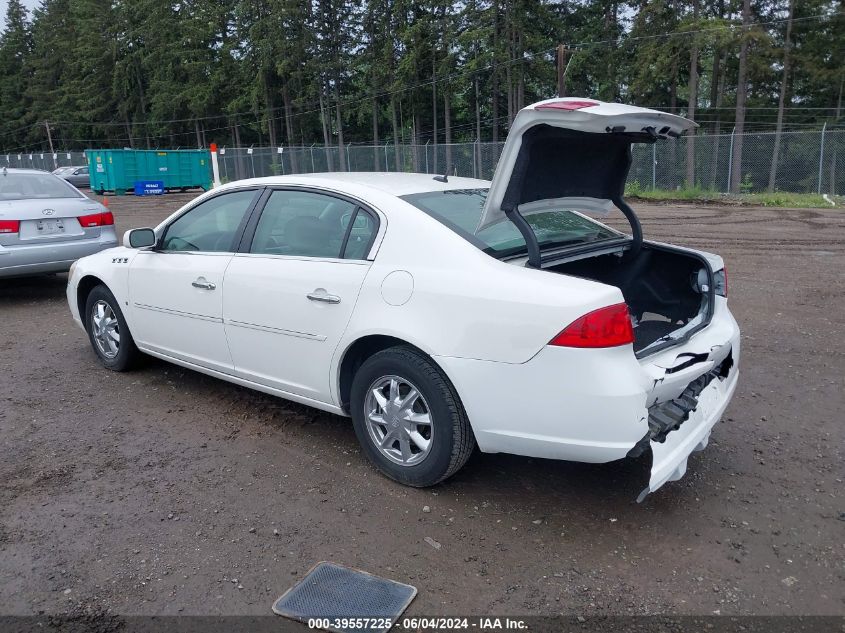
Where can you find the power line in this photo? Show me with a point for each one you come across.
(626, 39)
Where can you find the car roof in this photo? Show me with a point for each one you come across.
(394, 183)
(19, 170)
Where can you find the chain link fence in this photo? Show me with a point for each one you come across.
(43, 161)
(807, 162)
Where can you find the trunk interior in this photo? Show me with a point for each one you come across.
(662, 287)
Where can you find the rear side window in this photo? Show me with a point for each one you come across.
(211, 226)
(361, 235)
(308, 224)
(460, 210)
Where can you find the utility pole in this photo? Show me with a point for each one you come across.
(561, 69)
(50, 141)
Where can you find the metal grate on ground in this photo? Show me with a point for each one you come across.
(331, 593)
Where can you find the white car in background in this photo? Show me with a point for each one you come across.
(47, 223)
(441, 313)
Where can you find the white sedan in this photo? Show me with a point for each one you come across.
(442, 313)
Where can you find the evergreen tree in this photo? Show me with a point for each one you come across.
(15, 46)
(150, 73)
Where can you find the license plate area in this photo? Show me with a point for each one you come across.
(50, 227)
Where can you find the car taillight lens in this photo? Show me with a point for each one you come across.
(96, 219)
(10, 226)
(606, 327)
(720, 282)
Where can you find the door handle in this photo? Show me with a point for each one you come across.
(321, 295)
(202, 283)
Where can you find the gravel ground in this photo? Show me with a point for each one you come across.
(163, 491)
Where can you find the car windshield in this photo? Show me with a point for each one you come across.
(460, 210)
(30, 185)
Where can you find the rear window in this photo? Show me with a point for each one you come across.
(460, 210)
(27, 185)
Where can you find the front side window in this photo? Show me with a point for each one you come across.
(211, 226)
(303, 223)
(460, 210)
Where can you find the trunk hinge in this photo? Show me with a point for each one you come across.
(634, 221)
(531, 242)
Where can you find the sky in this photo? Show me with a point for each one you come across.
(29, 4)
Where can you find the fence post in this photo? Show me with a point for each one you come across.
(313, 168)
(730, 159)
(348, 168)
(386, 164)
(426, 155)
(821, 159)
(653, 166)
(476, 151)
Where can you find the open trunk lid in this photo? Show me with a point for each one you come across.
(571, 148)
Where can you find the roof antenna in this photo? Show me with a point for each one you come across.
(443, 178)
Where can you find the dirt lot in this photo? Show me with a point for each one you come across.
(163, 491)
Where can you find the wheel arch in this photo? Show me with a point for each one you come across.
(83, 289)
(360, 350)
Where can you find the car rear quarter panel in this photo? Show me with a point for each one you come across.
(464, 303)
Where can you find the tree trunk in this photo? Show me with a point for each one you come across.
(395, 133)
(376, 152)
(693, 101)
(324, 121)
(128, 128)
(341, 150)
(787, 44)
(240, 170)
(198, 133)
(714, 76)
(520, 91)
(741, 99)
(477, 145)
(434, 169)
(717, 126)
(289, 129)
(494, 76)
(673, 106)
(271, 121)
(836, 146)
(447, 125)
(415, 141)
(508, 71)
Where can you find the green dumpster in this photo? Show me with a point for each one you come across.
(118, 170)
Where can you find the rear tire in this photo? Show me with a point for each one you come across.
(108, 332)
(409, 419)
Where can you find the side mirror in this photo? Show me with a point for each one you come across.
(139, 238)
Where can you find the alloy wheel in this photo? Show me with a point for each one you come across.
(399, 421)
(105, 329)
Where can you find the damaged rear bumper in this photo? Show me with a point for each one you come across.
(681, 426)
(595, 405)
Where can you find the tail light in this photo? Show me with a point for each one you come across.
(606, 327)
(96, 219)
(720, 282)
(10, 226)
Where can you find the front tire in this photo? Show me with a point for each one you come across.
(409, 419)
(108, 332)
